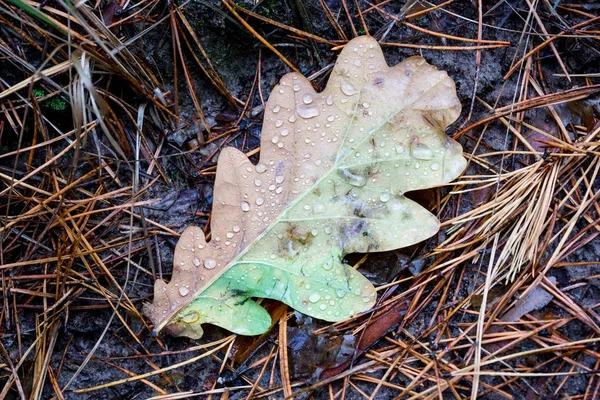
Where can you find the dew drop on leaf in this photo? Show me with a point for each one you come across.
(352, 178)
(210, 263)
(261, 168)
(347, 88)
(421, 151)
(307, 112)
(314, 297)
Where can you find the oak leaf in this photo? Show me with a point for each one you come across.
(333, 170)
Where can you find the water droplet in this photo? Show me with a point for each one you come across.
(366, 299)
(196, 261)
(245, 206)
(258, 181)
(209, 263)
(314, 232)
(329, 100)
(307, 99)
(261, 168)
(421, 151)
(279, 178)
(399, 149)
(366, 105)
(306, 207)
(183, 291)
(284, 132)
(236, 228)
(229, 235)
(276, 109)
(279, 190)
(314, 297)
(275, 139)
(384, 197)
(259, 201)
(434, 166)
(307, 112)
(347, 88)
(296, 87)
(272, 187)
(292, 118)
(352, 178)
(328, 265)
(278, 123)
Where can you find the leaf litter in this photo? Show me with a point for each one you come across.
(333, 171)
(59, 281)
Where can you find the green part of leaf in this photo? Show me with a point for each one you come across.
(331, 181)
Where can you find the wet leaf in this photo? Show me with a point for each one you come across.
(333, 170)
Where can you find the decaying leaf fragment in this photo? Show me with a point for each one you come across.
(330, 181)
